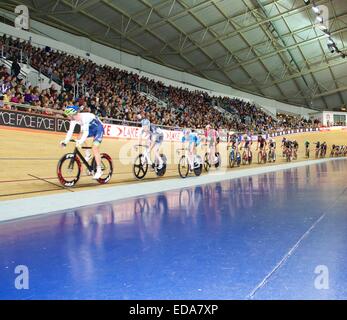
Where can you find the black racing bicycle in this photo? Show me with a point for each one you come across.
(70, 165)
(140, 166)
(184, 168)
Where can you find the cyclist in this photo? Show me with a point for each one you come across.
(318, 147)
(324, 148)
(295, 147)
(211, 138)
(333, 150)
(307, 145)
(307, 148)
(217, 139)
(91, 126)
(288, 148)
(247, 142)
(193, 140)
(155, 137)
(233, 140)
(272, 146)
(261, 144)
(283, 145)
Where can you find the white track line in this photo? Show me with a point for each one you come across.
(292, 249)
(22, 208)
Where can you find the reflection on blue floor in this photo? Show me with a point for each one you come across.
(217, 241)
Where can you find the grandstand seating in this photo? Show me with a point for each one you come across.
(115, 93)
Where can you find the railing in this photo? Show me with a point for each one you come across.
(8, 52)
(107, 120)
(49, 111)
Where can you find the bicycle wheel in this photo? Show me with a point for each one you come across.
(232, 159)
(162, 171)
(207, 162)
(106, 167)
(295, 156)
(244, 158)
(250, 158)
(69, 170)
(238, 158)
(259, 158)
(140, 167)
(183, 167)
(219, 161)
(288, 157)
(198, 166)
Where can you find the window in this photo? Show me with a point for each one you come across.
(339, 120)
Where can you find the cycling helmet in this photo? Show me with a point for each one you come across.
(145, 122)
(71, 110)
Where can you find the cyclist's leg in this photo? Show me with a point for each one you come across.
(98, 136)
(157, 143)
(191, 155)
(147, 153)
(96, 151)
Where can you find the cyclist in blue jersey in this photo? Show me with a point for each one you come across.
(192, 138)
(155, 137)
(91, 126)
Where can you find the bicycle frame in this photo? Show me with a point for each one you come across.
(84, 161)
(78, 153)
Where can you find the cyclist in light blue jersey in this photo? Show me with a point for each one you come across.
(192, 138)
(155, 137)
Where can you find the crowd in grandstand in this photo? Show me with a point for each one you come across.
(115, 93)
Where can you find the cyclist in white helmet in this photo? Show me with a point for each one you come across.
(155, 137)
(91, 126)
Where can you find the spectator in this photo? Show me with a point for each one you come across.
(15, 69)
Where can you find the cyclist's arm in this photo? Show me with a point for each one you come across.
(70, 132)
(140, 136)
(85, 132)
(183, 140)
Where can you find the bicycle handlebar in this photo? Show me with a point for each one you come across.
(73, 140)
(141, 145)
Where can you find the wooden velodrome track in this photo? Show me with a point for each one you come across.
(28, 160)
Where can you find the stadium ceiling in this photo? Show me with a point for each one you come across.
(271, 48)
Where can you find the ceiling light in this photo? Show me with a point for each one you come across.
(320, 19)
(316, 9)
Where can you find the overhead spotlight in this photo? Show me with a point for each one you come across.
(323, 27)
(319, 19)
(316, 9)
(332, 48)
(331, 42)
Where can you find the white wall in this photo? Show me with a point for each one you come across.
(328, 117)
(104, 55)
